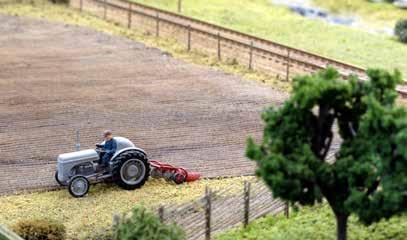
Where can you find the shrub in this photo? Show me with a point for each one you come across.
(59, 1)
(401, 30)
(142, 224)
(40, 229)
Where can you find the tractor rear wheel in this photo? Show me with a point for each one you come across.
(132, 170)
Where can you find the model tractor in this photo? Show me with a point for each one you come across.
(129, 168)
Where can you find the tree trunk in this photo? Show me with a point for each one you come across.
(341, 226)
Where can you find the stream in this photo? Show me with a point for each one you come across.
(307, 9)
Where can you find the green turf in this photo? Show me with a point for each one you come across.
(317, 223)
(385, 12)
(259, 18)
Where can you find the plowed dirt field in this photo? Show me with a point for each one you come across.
(56, 78)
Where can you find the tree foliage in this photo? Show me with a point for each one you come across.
(366, 175)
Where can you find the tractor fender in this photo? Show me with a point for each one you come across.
(128, 149)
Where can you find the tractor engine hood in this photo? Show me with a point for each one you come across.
(85, 155)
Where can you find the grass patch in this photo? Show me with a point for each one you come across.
(82, 216)
(260, 18)
(317, 222)
(43, 9)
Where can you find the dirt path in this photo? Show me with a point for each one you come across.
(56, 78)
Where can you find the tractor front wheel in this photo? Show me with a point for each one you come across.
(78, 186)
(132, 170)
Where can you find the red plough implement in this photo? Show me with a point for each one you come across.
(171, 173)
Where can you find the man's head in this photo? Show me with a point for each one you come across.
(107, 134)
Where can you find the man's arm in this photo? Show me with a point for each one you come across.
(100, 145)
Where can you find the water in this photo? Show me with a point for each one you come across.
(306, 9)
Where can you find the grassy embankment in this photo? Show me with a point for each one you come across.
(43, 9)
(95, 212)
(317, 223)
(260, 18)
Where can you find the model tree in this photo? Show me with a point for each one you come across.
(344, 141)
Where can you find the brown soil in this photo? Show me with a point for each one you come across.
(57, 78)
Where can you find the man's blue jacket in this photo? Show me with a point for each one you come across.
(110, 146)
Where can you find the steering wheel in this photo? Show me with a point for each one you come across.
(99, 149)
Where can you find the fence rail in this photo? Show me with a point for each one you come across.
(276, 59)
(220, 210)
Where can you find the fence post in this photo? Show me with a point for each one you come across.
(80, 5)
(208, 213)
(189, 38)
(129, 16)
(288, 66)
(219, 56)
(115, 224)
(161, 213)
(157, 27)
(179, 6)
(251, 56)
(286, 210)
(246, 198)
(116, 220)
(104, 9)
(77, 144)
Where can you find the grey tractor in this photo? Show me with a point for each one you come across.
(129, 168)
